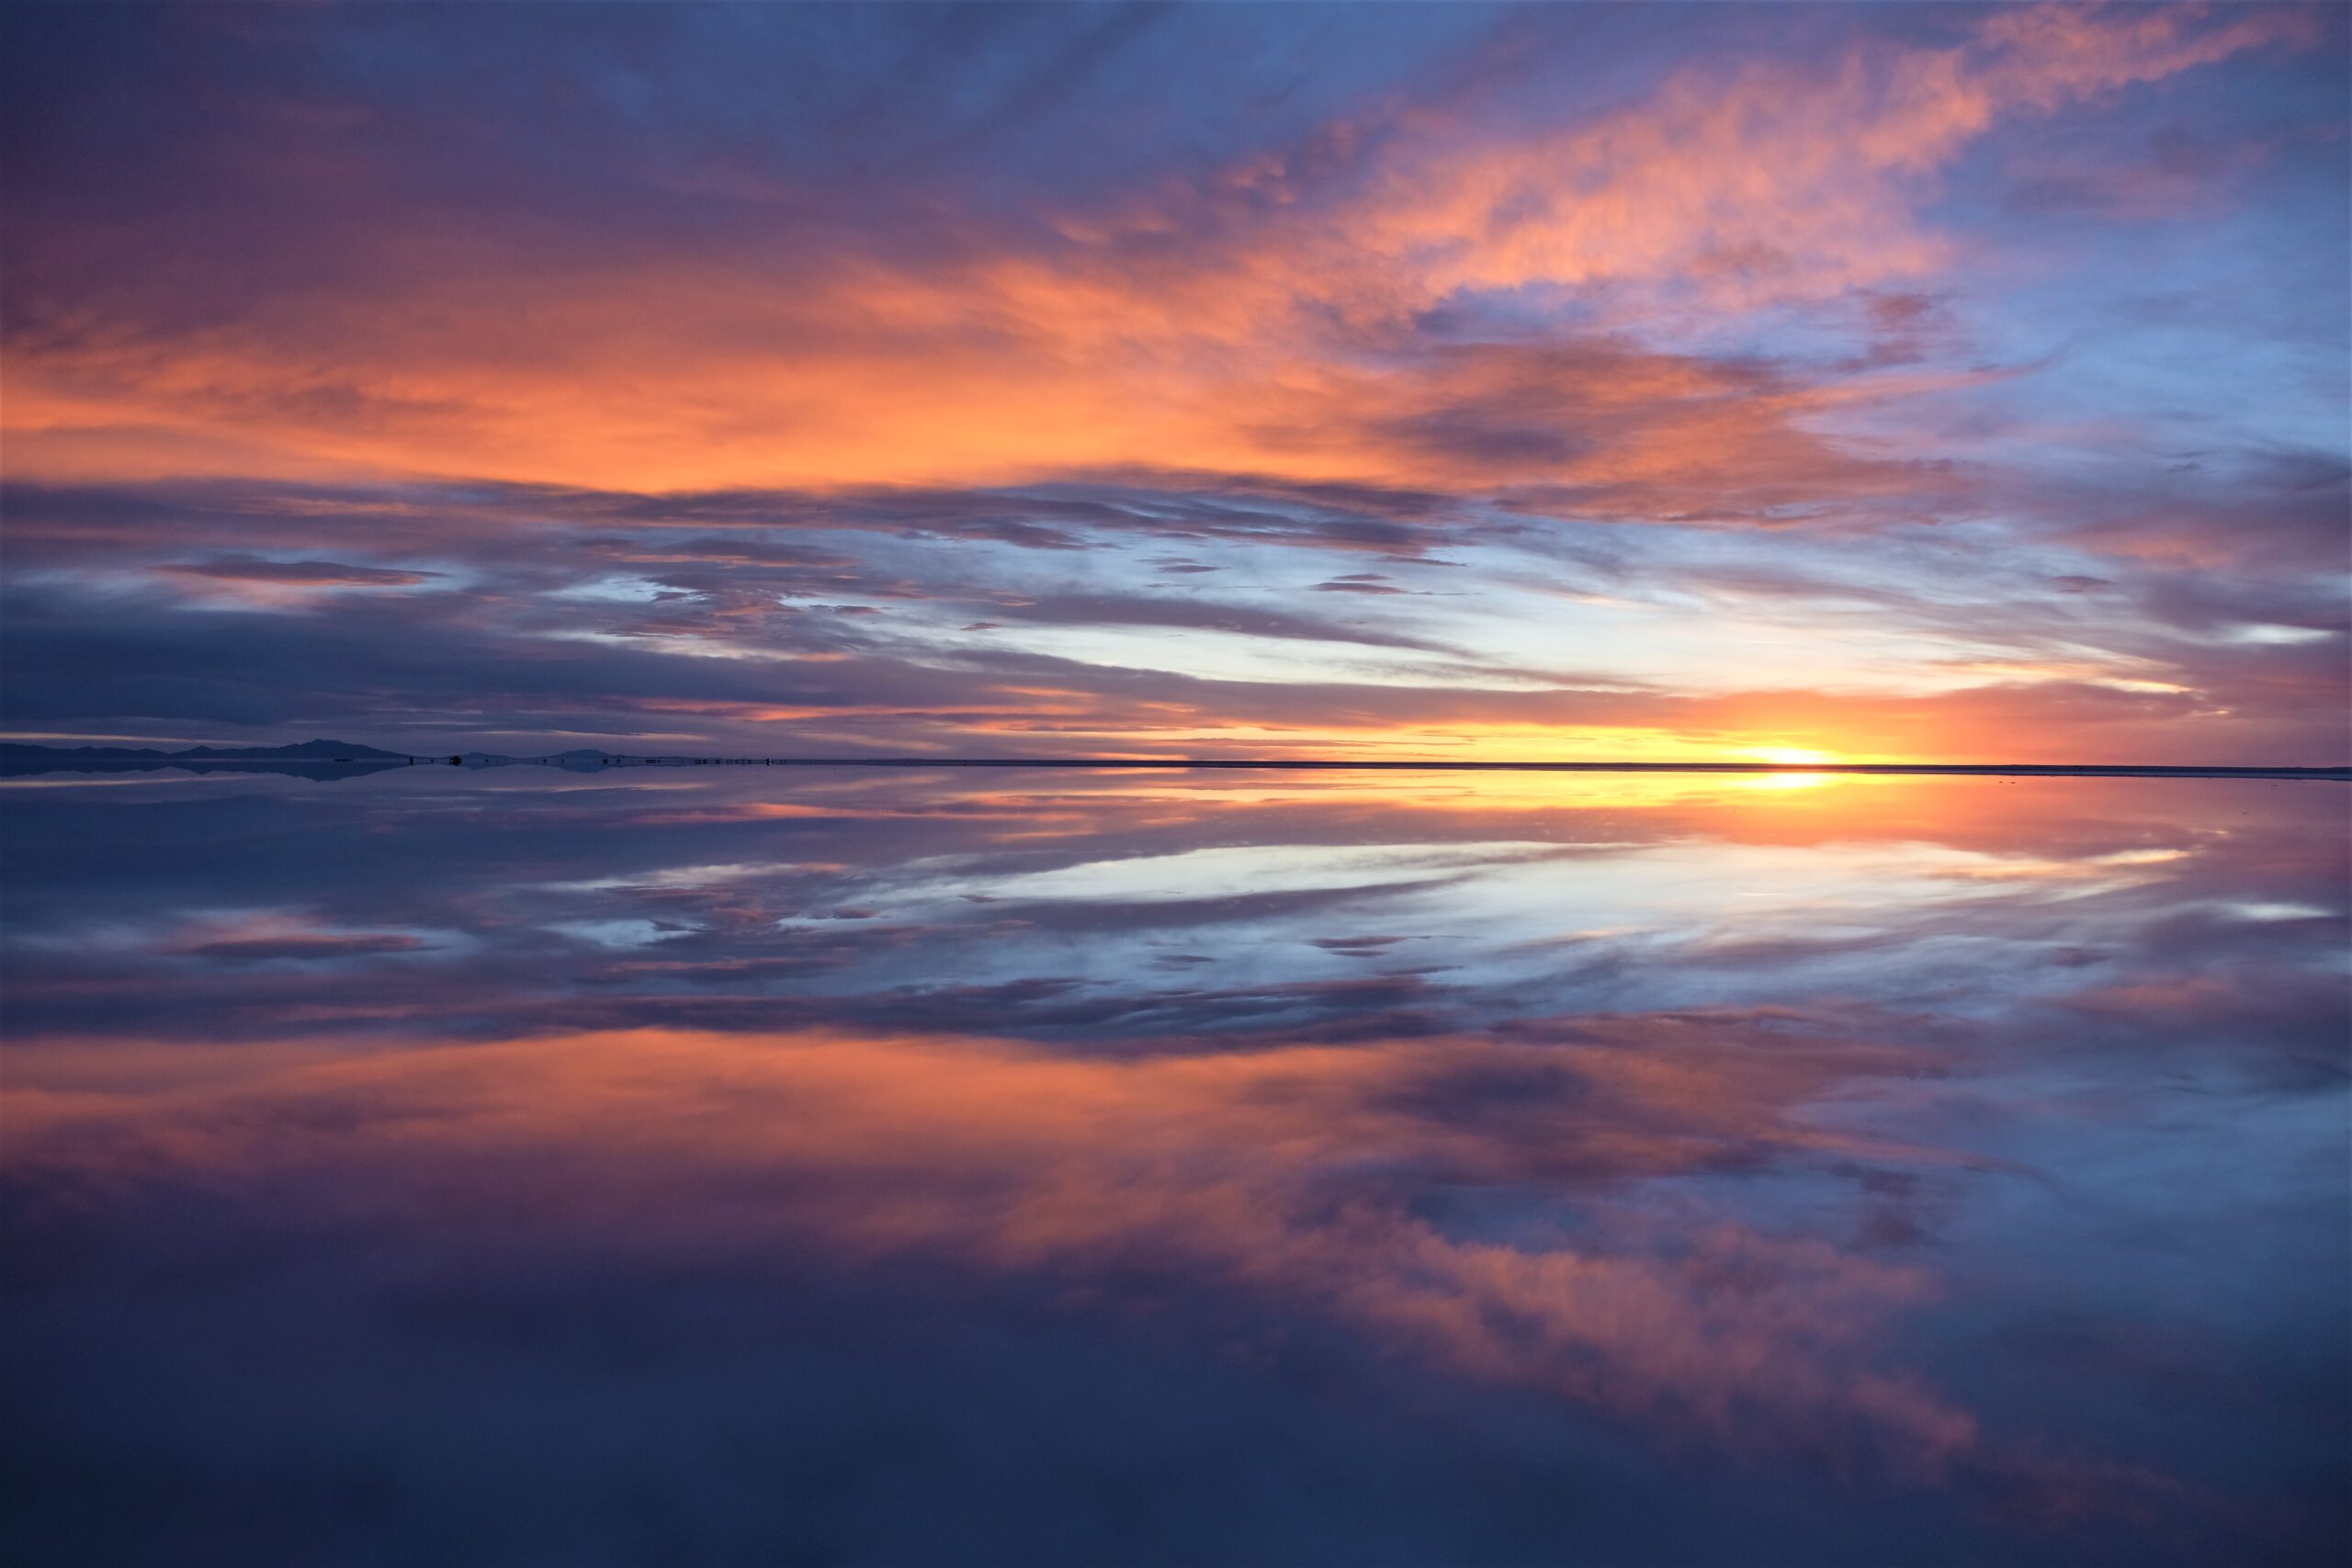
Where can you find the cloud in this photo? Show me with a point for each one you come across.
(1138, 610)
(302, 573)
(1720, 379)
(303, 946)
(1256, 316)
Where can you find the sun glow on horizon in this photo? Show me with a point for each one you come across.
(1788, 754)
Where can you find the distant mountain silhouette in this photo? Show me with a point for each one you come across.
(307, 758)
(306, 750)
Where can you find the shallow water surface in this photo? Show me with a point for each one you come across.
(795, 1166)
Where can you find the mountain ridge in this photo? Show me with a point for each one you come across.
(319, 750)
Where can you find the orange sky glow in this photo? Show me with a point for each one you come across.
(1807, 394)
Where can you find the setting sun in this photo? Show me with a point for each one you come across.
(1791, 755)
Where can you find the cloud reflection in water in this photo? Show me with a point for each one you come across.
(801, 1167)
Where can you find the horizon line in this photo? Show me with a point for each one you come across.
(594, 758)
(1389, 764)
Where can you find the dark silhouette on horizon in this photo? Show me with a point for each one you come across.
(342, 758)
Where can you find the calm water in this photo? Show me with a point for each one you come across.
(806, 1167)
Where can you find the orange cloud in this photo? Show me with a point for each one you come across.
(1258, 320)
(1258, 1174)
(1008, 1159)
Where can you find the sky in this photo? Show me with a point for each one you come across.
(1886, 382)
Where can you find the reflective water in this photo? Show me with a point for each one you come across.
(808, 1167)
